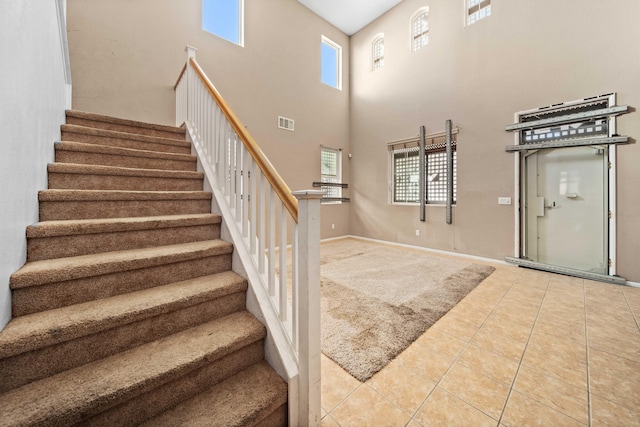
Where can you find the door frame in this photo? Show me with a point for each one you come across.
(519, 186)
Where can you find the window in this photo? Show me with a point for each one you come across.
(331, 172)
(331, 63)
(477, 10)
(378, 52)
(405, 163)
(224, 18)
(420, 29)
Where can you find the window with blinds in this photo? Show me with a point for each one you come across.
(377, 49)
(477, 10)
(420, 29)
(331, 172)
(405, 165)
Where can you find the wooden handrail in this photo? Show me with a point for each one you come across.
(184, 68)
(272, 175)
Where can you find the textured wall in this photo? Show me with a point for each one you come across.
(526, 55)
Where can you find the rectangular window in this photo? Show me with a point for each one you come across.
(477, 10)
(331, 172)
(331, 63)
(224, 18)
(405, 164)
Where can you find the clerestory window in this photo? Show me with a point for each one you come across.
(377, 50)
(420, 29)
(331, 63)
(477, 10)
(225, 19)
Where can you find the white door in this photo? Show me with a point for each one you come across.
(566, 210)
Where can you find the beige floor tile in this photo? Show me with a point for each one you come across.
(473, 312)
(456, 327)
(327, 421)
(414, 423)
(568, 331)
(489, 364)
(476, 389)
(576, 353)
(367, 407)
(614, 378)
(336, 383)
(523, 411)
(437, 342)
(444, 409)
(563, 368)
(553, 392)
(427, 364)
(620, 344)
(607, 413)
(494, 340)
(401, 386)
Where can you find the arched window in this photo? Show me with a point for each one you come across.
(420, 29)
(377, 49)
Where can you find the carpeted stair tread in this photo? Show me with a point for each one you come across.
(70, 396)
(121, 151)
(73, 168)
(56, 195)
(116, 225)
(33, 331)
(61, 269)
(84, 118)
(133, 140)
(242, 400)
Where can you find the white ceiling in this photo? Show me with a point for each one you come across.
(350, 15)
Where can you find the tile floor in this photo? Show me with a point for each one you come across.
(524, 348)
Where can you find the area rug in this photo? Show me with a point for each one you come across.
(378, 299)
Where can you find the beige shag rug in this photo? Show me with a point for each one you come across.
(378, 299)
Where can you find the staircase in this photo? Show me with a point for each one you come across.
(127, 311)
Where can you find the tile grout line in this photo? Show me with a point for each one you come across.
(515, 377)
(631, 309)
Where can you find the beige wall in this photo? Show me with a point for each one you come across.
(528, 54)
(126, 56)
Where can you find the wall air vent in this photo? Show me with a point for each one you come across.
(285, 123)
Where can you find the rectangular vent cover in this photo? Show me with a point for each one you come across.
(285, 123)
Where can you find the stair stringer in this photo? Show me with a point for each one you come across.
(277, 352)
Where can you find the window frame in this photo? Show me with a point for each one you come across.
(338, 51)
(377, 62)
(412, 29)
(470, 17)
(240, 19)
(335, 192)
(432, 150)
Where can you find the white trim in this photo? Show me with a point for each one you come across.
(241, 23)
(612, 196)
(418, 248)
(633, 284)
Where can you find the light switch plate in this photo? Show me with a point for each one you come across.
(504, 200)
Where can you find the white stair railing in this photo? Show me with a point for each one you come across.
(276, 233)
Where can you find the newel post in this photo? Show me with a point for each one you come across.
(309, 293)
(191, 53)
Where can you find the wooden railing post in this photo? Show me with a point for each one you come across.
(309, 294)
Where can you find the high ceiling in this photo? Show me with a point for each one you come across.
(349, 15)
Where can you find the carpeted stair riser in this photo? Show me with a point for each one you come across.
(98, 121)
(166, 396)
(80, 153)
(31, 366)
(32, 299)
(245, 399)
(49, 240)
(90, 389)
(83, 177)
(86, 204)
(124, 140)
